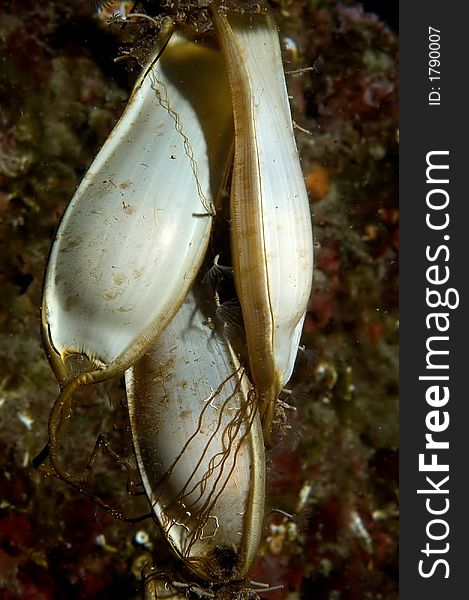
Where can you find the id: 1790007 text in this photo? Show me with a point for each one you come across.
(434, 73)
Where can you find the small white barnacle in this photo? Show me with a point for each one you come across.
(113, 9)
(217, 272)
(229, 313)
